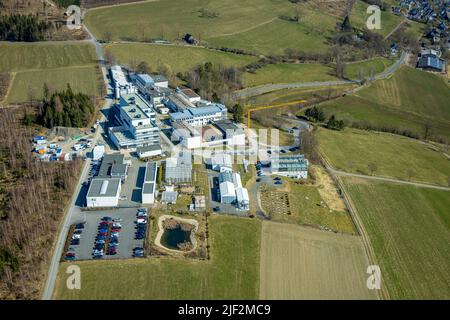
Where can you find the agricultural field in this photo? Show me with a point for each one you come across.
(287, 95)
(232, 272)
(335, 265)
(409, 229)
(386, 155)
(82, 79)
(359, 70)
(410, 99)
(286, 73)
(251, 25)
(302, 204)
(32, 65)
(178, 58)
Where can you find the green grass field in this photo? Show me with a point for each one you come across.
(53, 63)
(359, 70)
(287, 95)
(232, 272)
(409, 229)
(408, 100)
(44, 55)
(252, 25)
(180, 59)
(81, 79)
(394, 156)
(286, 73)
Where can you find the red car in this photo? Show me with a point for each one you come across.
(115, 230)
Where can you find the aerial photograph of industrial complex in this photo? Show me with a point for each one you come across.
(204, 150)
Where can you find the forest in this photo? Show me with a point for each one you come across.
(17, 27)
(33, 196)
(65, 108)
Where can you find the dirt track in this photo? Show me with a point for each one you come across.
(303, 263)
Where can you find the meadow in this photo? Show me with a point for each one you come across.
(179, 58)
(286, 73)
(409, 230)
(232, 272)
(410, 99)
(81, 79)
(56, 64)
(304, 263)
(361, 69)
(253, 25)
(389, 155)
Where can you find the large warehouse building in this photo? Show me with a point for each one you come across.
(103, 192)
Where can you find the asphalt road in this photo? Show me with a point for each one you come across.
(73, 209)
(254, 91)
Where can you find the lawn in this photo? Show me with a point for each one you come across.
(253, 25)
(360, 70)
(180, 59)
(286, 73)
(232, 272)
(409, 229)
(310, 35)
(408, 100)
(303, 263)
(302, 204)
(53, 63)
(287, 95)
(81, 79)
(44, 55)
(390, 155)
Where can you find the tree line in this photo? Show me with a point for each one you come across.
(17, 27)
(65, 108)
(214, 82)
(33, 197)
(317, 115)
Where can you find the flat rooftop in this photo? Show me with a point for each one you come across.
(150, 172)
(132, 104)
(148, 188)
(103, 187)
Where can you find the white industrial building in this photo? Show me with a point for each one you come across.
(120, 82)
(145, 82)
(231, 190)
(205, 113)
(222, 132)
(242, 199)
(149, 185)
(189, 137)
(293, 166)
(220, 161)
(103, 192)
(137, 123)
(149, 151)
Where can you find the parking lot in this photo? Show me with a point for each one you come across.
(125, 235)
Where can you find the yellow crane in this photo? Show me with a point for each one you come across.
(285, 104)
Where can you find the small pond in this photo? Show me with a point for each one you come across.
(171, 238)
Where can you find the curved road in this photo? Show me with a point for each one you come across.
(254, 91)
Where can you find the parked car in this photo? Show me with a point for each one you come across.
(75, 242)
(216, 209)
(79, 226)
(278, 182)
(106, 219)
(277, 178)
(76, 236)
